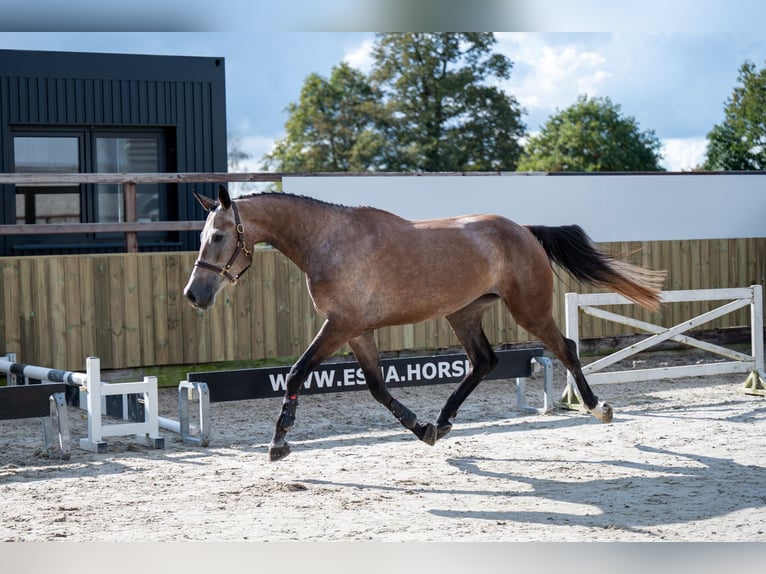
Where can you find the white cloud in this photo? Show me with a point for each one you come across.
(683, 154)
(361, 57)
(548, 76)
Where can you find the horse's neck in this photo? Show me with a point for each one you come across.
(289, 224)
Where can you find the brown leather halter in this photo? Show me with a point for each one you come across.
(241, 247)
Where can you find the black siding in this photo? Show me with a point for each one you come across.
(184, 95)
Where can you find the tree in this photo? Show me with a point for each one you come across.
(426, 106)
(332, 127)
(739, 142)
(592, 135)
(441, 114)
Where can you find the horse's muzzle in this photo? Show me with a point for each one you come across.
(198, 302)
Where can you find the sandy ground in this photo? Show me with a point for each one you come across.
(682, 461)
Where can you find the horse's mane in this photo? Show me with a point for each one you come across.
(305, 198)
(291, 196)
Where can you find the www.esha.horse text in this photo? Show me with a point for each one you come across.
(410, 373)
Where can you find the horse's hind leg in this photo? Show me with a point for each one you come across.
(467, 326)
(544, 327)
(366, 352)
(568, 356)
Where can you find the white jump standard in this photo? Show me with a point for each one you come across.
(93, 393)
(147, 432)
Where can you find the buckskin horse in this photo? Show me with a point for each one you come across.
(367, 268)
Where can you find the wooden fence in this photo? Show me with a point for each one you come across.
(128, 309)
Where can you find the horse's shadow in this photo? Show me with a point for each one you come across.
(754, 415)
(648, 499)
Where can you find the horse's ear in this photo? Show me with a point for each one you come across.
(223, 197)
(206, 203)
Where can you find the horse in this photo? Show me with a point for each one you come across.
(366, 268)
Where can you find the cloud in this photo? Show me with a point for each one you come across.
(683, 154)
(550, 76)
(361, 57)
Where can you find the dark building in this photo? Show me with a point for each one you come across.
(63, 112)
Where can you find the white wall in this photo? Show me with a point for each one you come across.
(635, 207)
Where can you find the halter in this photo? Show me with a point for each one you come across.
(241, 247)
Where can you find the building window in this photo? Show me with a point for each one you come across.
(49, 203)
(89, 150)
(127, 155)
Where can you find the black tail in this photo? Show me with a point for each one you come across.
(571, 248)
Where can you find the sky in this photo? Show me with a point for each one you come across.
(669, 71)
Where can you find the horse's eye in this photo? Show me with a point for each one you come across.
(217, 237)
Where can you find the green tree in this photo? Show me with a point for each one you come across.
(739, 142)
(441, 112)
(426, 106)
(332, 127)
(592, 135)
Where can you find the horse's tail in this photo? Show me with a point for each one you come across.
(572, 249)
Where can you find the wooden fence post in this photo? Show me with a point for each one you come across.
(129, 199)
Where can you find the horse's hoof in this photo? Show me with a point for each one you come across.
(429, 434)
(278, 452)
(603, 412)
(443, 430)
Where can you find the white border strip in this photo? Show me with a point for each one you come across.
(610, 207)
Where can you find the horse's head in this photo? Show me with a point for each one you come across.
(223, 253)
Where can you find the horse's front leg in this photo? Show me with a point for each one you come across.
(328, 340)
(279, 447)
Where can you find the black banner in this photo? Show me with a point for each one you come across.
(333, 377)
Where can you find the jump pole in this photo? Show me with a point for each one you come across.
(14, 370)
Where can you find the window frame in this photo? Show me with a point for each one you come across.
(87, 149)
